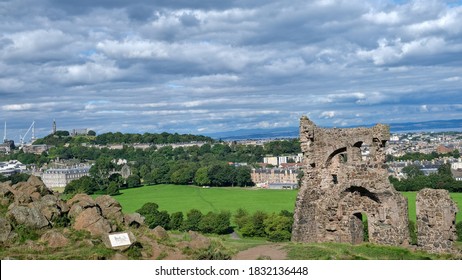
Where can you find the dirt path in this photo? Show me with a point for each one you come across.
(265, 252)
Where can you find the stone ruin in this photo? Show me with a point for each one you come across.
(340, 186)
(345, 179)
(436, 216)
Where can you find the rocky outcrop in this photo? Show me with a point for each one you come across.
(5, 229)
(436, 218)
(159, 232)
(91, 220)
(54, 239)
(110, 209)
(30, 217)
(134, 220)
(79, 203)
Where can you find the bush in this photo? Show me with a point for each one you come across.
(193, 219)
(459, 231)
(154, 217)
(215, 223)
(278, 228)
(412, 233)
(176, 220)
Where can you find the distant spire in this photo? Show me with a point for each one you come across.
(54, 126)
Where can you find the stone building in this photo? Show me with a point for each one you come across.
(60, 177)
(340, 187)
(436, 220)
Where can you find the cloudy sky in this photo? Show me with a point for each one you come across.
(200, 66)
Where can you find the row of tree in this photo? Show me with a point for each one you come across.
(274, 227)
(416, 180)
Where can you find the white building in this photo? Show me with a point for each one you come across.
(11, 167)
(58, 178)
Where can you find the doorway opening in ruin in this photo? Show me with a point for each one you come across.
(359, 228)
(342, 157)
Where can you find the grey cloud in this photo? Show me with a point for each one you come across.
(191, 66)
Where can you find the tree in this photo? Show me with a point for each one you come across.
(133, 181)
(176, 220)
(201, 178)
(215, 223)
(193, 218)
(412, 171)
(113, 188)
(84, 184)
(445, 169)
(91, 133)
(278, 228)
(243, 177)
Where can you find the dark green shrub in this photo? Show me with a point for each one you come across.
(459, 231)
(176, 220)
(412, 232)
(193, 218)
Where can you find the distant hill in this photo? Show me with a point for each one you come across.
(292, 132)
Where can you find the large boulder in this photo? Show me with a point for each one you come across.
(54, 239)
(159, 232)
(32, 190)
(48, 206)
(91, 220)
(5, 229)
(6, 193)
(30, 217)
(79, 203)
(134, 220)
(110, 209)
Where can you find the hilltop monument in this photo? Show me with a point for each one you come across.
(345, 179)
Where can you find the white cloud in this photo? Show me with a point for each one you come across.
(17, 107)
(328, 114)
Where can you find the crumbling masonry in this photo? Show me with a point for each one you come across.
(340, 187)
(436, 220)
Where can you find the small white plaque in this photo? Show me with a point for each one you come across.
(119, 239)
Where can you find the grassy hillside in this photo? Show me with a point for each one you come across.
(173, 198)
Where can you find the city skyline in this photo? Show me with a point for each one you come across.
(202, 67)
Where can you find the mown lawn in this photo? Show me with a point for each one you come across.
(457, 197)
(173, 198)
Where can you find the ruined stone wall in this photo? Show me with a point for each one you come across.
(436, 218)
(340, 186)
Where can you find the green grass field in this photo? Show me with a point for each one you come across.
(173, 198)
(457, 197)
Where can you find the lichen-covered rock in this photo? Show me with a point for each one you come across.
(436, 216)
(30, 217)
(198, 241)
(54, 239)
(48, 206)
(134, 220)
(110, 209)
(91, 220)
(5, 229)
(79, 203)
(159, 232)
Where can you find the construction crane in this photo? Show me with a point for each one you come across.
(21, 138)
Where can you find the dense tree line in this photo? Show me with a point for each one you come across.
(274, 227)
(416, 180)
(62, 137)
